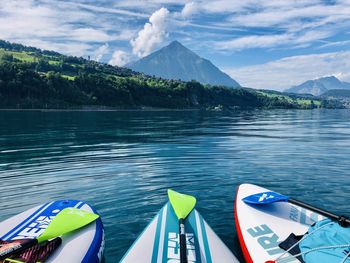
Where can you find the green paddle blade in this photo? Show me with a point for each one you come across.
(181, 203)
(69, 219)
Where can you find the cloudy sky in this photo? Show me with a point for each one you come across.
(262, 44)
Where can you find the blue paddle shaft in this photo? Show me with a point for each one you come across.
(183, 246)
(265, 198)
(341, 219)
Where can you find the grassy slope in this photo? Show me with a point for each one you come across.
(71, 74)
(300, 101)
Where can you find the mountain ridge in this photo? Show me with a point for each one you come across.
(319, 86)
(176, 61)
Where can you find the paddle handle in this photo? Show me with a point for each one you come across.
(16, 246)
(183, 246)
(343, 221)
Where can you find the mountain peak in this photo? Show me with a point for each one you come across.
(329, 77)
(319, 86)
(175, 61)
(175, 46)
(175, 43)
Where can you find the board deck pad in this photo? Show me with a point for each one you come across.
(160, 241)
(85, 245)
(261, 228)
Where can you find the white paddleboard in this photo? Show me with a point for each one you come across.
(159, 242)
(261, 228)
(85, 245)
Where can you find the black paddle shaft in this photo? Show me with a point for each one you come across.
(342, 220)
(16, 247)
(183, 246)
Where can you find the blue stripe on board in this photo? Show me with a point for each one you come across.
(159, 218)
(24, 223)
(157, 236)
(91, 255)
(45, 210)
(4, 237)
(191, 227)
(205, 240)
(170, 243)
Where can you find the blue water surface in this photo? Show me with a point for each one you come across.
(122, 162)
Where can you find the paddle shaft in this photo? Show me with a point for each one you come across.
(325, 213)
(19, 247)
(183, 247)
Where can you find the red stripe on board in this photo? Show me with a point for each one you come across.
(240, 236)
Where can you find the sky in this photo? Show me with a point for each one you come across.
(261, 44)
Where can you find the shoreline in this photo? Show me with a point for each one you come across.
(156, 110)
(101, 109)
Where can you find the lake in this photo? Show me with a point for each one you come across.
(122, 162)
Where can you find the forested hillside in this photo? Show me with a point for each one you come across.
(32, 78)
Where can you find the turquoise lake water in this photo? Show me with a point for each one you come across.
(123, 162)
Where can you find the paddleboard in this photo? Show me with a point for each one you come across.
(84, 245)
(159, 242)
(261, 228)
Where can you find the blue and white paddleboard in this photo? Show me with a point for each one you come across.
(159, 242)
(85, 245)
(261, 228)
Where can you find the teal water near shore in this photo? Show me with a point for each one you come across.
(123, 162)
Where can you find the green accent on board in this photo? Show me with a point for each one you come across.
(181, 203)
(68, 220)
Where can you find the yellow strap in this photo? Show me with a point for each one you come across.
(9, 260)
(12, 260)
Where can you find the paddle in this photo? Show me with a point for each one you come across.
(266, 198)
(182, 205)
(68, 220)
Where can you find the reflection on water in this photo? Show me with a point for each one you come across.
(123, 162)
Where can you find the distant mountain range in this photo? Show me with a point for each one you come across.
(337, 93)
(319, 86)
(178, 62)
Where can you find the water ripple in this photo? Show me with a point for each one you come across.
(123, 162)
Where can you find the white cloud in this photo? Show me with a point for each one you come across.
(253, 42)
(109, 10)
(80, 27)
(189, 9)
(119, 58)
(152, 34)
(283, 15)
(148, 5)
(89, 35)
(271, 41)
(296, 23)
(63, 26)
(337, 43)
(100, 52)
(72, 49)
(289, 71)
